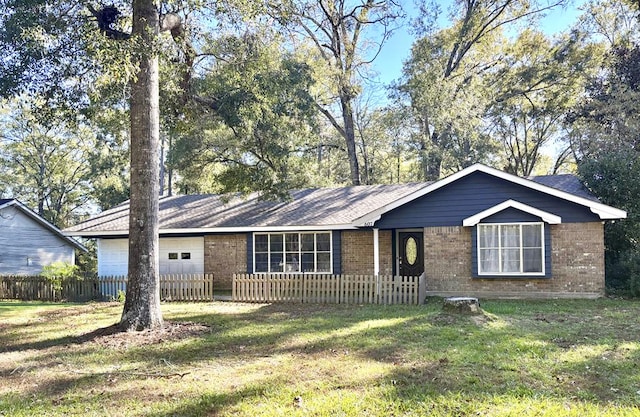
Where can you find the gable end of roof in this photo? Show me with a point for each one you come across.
(545, 216)
(602, 210)
(43, 222)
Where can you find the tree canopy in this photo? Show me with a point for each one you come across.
(272, 96)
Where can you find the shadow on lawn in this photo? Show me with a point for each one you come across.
(432, 354)
(213, 403)
(13, 341)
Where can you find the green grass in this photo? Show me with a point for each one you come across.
(521, 358)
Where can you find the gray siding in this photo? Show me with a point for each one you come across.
(470, 195)
(26, 246)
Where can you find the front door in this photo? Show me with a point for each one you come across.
(410, 254)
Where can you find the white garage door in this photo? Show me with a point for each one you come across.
(180, 255)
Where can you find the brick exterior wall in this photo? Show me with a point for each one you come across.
(225, 255)
(357, 252)
(577, 265)
(577, 262)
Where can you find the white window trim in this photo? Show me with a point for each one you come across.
(511, 274)
(299, 232)
(545, 216)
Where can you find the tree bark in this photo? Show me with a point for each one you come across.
(142, 304)
(350, 139)
(430, 157)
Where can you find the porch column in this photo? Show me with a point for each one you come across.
(376, 252)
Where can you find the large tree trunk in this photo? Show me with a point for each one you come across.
(142, 305)
(350, 139)
(430, 157)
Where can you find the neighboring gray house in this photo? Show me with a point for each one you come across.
(480, 232)
(28, 242)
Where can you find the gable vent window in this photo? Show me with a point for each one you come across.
(511, 249)
(292, 252)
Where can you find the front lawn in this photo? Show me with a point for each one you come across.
(521, 358)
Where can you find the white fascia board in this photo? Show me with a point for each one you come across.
(545, 216)
(602, 210)
(211, 230)
(369, 219)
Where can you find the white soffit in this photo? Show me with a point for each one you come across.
(545, 216)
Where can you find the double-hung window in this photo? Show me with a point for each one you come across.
(511, 249)
(308, 252)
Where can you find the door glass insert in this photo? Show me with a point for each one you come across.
(411, 251)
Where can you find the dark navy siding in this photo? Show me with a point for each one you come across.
(449, 205)
(336, 237)
(547, 256)
(249, 253)
(511, 215)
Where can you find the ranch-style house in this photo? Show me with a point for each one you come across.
(480, 232)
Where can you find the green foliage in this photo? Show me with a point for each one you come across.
(253, 120)
(623, 273)
(48, 51)
(59, 272)
(614, 178)
(533, 87)
(87, 262)
(45, 164)
(606, 139)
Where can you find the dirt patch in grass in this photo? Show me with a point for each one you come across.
(113, 337)
(450, 319)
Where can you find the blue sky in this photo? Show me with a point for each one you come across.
(389, 63)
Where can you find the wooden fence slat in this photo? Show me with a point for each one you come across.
(325, 288)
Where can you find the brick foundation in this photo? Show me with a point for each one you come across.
(357, 252)
(225, 255)
(577, 265)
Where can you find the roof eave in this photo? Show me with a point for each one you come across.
(213, 230)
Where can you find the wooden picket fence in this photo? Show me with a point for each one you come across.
(329, 289)
(173, 287)
(31, 288)
(183, 287)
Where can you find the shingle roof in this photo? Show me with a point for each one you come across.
(565, 182)
(316, 207)
(308, 207)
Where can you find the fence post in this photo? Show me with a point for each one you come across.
(422, 288)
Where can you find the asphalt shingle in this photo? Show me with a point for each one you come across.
(307, 207)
